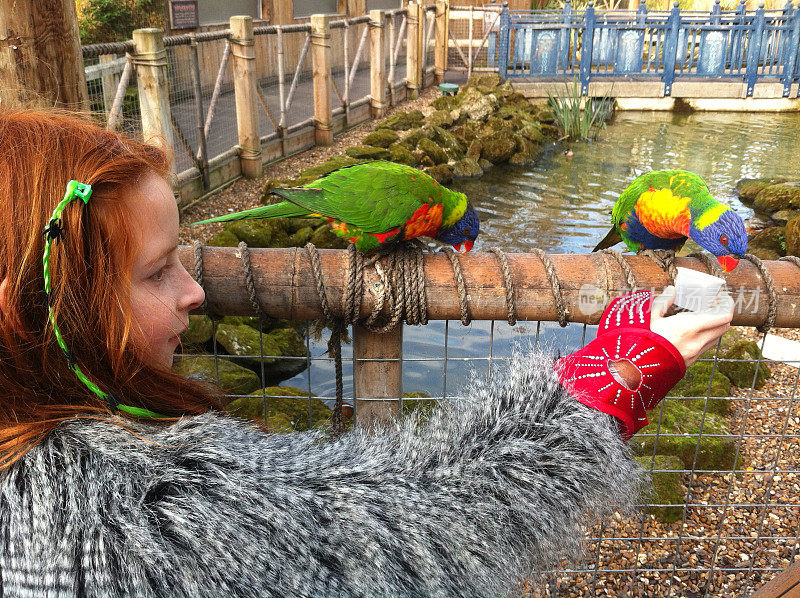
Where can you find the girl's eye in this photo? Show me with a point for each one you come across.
(723, 239)
(159, 276)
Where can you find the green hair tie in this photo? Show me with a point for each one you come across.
(55, 232)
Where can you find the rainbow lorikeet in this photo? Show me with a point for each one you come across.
(376, 203)
(660, 209)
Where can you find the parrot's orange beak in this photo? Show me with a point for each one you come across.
(727, 262)
(466, 246)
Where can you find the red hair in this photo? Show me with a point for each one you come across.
(39, 153)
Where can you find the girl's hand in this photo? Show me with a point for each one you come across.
(691, 333)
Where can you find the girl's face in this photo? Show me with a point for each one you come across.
(162, 291)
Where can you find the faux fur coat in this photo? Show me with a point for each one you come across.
(493, 487)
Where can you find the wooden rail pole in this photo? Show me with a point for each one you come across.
(377, 384)
(286, 289)
(321, 60)
(440, 52)
(244, 81)
(110, 82)
(377, 63)
(153, 79)
(413, 63)
(40, 55)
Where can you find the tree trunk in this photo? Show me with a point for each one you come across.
(40, 55)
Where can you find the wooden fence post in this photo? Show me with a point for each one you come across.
(377, 379)
(377, 63)
(109, 82)
(413, 62)
(152, 78)
(244, 82)
(321, 60)
(440, 53)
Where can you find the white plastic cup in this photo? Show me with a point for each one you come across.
(695, 290)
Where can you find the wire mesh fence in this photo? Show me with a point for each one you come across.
(472, 43)
(107, 82)
(722, 449)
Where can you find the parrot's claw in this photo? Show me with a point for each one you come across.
(665, 258)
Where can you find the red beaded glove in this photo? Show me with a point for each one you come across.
(624, 334)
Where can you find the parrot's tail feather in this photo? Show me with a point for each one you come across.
(279, 210)
(612, 238)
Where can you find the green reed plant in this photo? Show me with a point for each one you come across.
(579, 118)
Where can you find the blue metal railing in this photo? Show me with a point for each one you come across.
(737, 45)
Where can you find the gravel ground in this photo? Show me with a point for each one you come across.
(245, 193)
(727, 514)
(636, 557)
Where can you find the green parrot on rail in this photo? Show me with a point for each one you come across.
(377, 203)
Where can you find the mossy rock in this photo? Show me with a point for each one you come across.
(261, 233)
(666, 488)
(199, 331)
(414, 135)
(507, 112)
(245, 342)
(696, 384)
(327, 167)
(368, 152)
(467, 132)
(793, 236)
(419, 402)
(784, 216)
(748, 189)
(474, 151)
(742, 373)
(381, 138)
(301, 237)
(526, 153)
(496, 125)
(324, 238)
(402, 121)
(532, 132)
(444, 138)
(498, 150)
(440, 118)
(679, 435)
(764, 254)
(467, 167)
(485, 80)
(233, 378)
(773, 239)
(441, 173)
(550, 131)
(423, 160)
(475, 105)
(224, 238)
(432, 150)
(782, 196)
(545, 114)
(484, 163)
(287, 409)
(402, 155)
(444, 103)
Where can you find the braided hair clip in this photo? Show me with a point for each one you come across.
(54, 231)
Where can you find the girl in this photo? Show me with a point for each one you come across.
(101, 495)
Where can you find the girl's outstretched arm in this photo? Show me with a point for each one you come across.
(493, 487)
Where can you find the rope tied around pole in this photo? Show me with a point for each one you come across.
(772, 295)
(552, 277)
(630, 278)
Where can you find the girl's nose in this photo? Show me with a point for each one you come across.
(194, 295)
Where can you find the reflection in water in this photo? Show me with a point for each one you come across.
(564, 205)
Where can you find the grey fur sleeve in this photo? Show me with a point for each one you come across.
(493, 487)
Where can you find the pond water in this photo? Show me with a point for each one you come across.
(563, 205)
